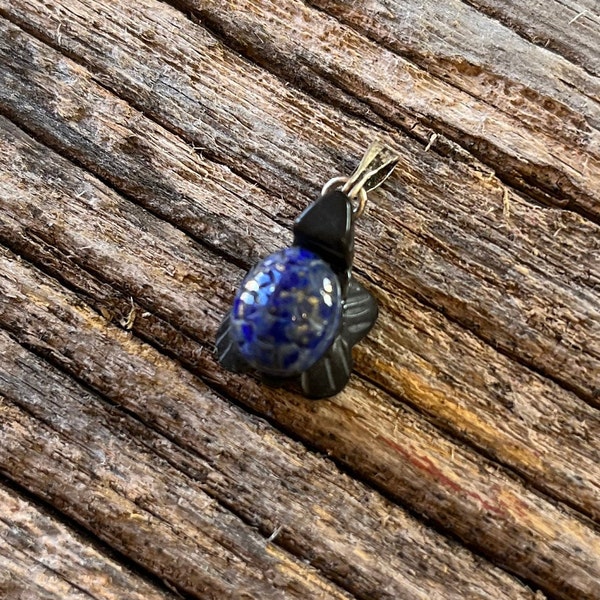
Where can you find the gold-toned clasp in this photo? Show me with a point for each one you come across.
(375, 167)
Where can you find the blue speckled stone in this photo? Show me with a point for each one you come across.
(287, 312)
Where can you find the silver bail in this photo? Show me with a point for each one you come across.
(375, 167)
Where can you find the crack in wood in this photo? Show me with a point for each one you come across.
(128, 577)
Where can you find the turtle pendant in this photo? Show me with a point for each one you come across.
(298, 312)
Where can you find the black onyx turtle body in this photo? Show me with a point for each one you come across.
(299, 311)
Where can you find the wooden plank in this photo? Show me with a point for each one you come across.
(465, 385)
(127, 483)
(391, 446)
(42, 558)
(520, 134)
(503, 278)
(507, 273)
(569, 27)
(101, 470)
(487, 56)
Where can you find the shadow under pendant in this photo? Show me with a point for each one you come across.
(299, 311)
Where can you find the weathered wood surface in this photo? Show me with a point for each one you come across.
(225, 460)
(524, 136)
(40, 557)
(475, 399)
(552, 25)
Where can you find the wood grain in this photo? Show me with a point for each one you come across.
(502, 68)
(569, 27)
(209, 454)
(462, 256)
(41, 558)
(82, 457)
(536, 143)
(415, 352)
(167, 274)
(150, 153)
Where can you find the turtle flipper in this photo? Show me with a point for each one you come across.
(227, 351)
(359, 313)
(329, 374)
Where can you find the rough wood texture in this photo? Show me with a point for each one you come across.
(240, 462)
(570, 28)
(474, 402)
(525, 138)
(473, 255)
(41, 557)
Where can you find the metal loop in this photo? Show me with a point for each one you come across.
(357, 210)
(375, 167)
(332, 182)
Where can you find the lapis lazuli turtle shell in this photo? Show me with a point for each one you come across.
(287, 312)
